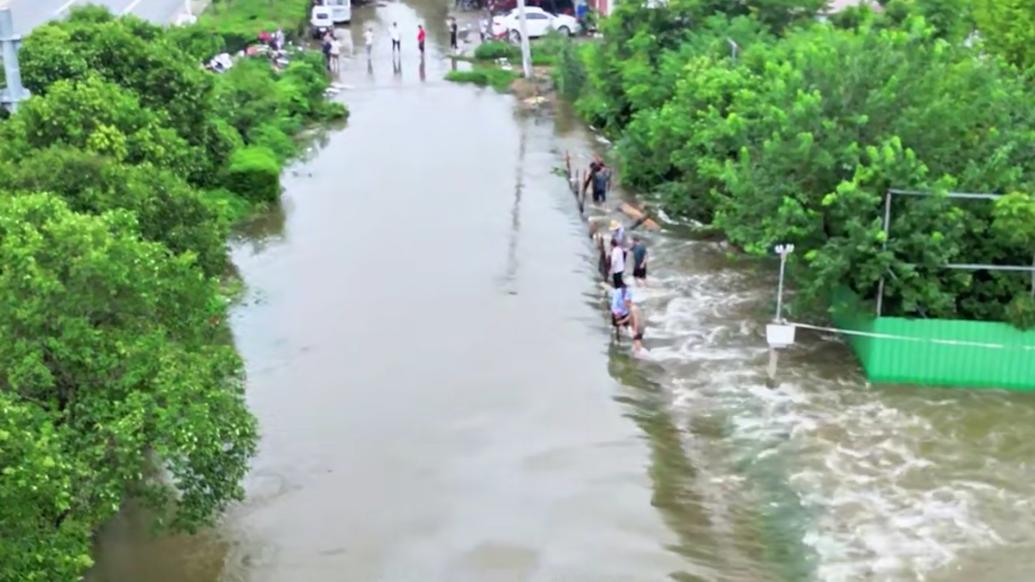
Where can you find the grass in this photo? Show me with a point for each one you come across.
(496, 49)
(498, 79)
(545, 51)
(241, 21)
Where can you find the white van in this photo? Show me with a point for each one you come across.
(341, 10)
(321, 21)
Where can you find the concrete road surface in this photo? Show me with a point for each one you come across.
(29, 14)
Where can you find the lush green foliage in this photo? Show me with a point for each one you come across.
(1008, 28)
(799, 136)
(168, 210)
(239, 22)
(120, 378)
(254, 173)
(116, 355)
(499, 79)
(497, 49)
(545, 51)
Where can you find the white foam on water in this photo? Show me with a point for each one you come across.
(882, 493)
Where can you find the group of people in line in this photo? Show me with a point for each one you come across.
(615, 260)
(331, 46)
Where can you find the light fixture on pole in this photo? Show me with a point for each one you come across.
(779, 333)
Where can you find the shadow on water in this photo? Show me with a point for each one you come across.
(515, 217)
(672, 474)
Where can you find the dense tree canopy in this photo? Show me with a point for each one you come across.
(119, 179)
(116, 357)
(795, 134)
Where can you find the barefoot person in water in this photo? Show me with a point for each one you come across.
(625, 313)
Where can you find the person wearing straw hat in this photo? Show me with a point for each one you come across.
(617, 232)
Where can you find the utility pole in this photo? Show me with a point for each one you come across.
(526, 51)
(9, 41)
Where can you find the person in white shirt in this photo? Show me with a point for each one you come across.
(617, 264)
(335, 53)
(396, 39)
(368, 40)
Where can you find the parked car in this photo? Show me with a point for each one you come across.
(341, 10)
(551, 6)
(538, 21)
(321, 21)
(504, 7)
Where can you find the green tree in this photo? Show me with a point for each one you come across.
(1008, 28)
(122, 348)
(100, 117)
(167, 209)
(37, 488)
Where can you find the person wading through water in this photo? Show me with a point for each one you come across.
(625, 313)
(639, 255)
(617, 264)
(599, 177)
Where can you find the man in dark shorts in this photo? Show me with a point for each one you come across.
(639, 253)
(396, 40)
(452, 34)
(421, 36)
(617, 264)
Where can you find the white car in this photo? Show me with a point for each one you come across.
(538, 21)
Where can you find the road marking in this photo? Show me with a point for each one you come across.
(130, 8)
(64, 7)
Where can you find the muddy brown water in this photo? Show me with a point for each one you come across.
(429, 359)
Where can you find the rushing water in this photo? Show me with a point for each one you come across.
(428, 357)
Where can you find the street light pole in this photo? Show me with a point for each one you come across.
(9, 42)
(526, 51)
(782, 250)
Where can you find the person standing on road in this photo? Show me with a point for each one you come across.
(617, 264)
(421, 36)
(335, 54)
(368, 41)
(396, 40)
(325, 46)
(639, 252)
(452, 34)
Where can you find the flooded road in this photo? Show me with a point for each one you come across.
(429, 360)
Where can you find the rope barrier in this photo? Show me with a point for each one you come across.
(888, 336)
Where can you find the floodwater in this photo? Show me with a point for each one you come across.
(429, 359)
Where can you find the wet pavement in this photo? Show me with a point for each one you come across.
(428, 355)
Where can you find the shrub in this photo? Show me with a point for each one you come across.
(496, 49)
(254, 173)
(570, 74)
(239, 22)
(273, 138)
(498, 79)
(199, 42)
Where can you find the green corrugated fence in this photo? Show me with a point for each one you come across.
(925, 362)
